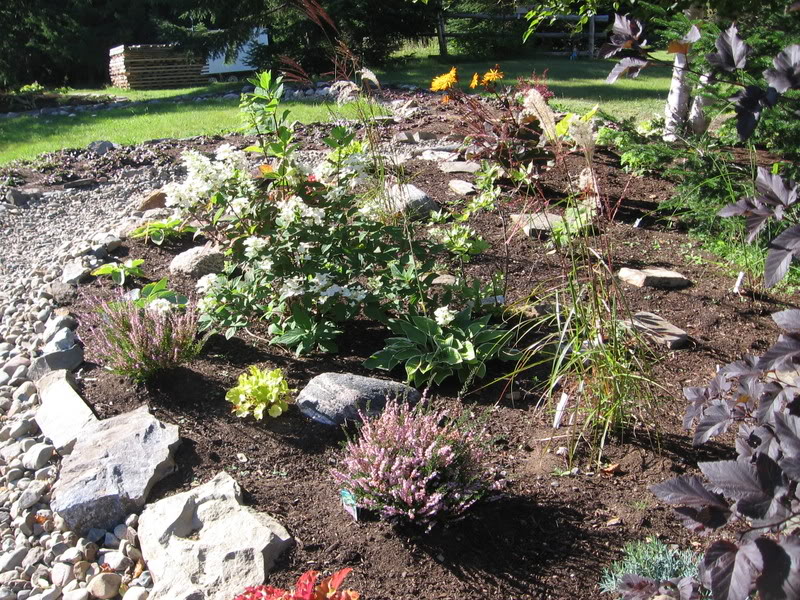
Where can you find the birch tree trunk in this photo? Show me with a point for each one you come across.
(697, 118)
(677, 107)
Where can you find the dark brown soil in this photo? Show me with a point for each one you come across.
(552, 534)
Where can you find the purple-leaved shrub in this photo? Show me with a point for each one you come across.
(418, 465)
(138, 342)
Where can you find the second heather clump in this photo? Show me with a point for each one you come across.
(418, 465)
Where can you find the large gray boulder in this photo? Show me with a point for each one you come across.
(56, 360)
(204, 544)
(112, 468)
(198, 261)
(333, 398)
(63, 414)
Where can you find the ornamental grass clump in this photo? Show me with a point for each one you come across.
(139, 341)
(418, 465)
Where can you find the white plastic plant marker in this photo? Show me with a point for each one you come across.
(560, 408)
(738, 283)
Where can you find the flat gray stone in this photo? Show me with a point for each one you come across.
(536, 223)
(461, 187)
(63, 413)
(74, 273)
(55, 361)
(659, 330)
(409, 200)
(113, 466)
(204, 544)
(459, 166)
(654, 277)
(334, 398)
(198, 261)
(404, 137)
(101, 146)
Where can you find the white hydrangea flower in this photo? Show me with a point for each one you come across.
(208, 282)
(320, 282)
(444, 316)
(159, 306)
(294, 286)
(253, 246)
(240, 205)
(206, 304)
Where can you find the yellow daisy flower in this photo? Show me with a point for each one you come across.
(476, 80)
(492, 75)
(444, 82)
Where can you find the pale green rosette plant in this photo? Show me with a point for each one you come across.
(258, 391)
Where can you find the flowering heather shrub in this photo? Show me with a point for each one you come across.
(304, 589)
(418, 465)
(140, 341)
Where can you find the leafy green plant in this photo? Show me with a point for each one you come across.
(461, 240)
(158, 291)
(120, 272)
(434, 349)
(652, 559)
(259, 391)
(160, 231)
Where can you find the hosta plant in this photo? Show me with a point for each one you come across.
(759, 488)
(120, 272)
(259, 391)
(306, 588)
(418, 465)
(452, 343)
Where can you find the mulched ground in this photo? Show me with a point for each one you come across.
(552, 534)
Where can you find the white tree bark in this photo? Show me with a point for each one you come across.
(697, 118)
(677, 107)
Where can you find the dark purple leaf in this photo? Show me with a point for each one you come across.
(781, 252)
(687, 491)
(729, 570)
(788, 320)
(731, 51)
(775, 190)
(750, 440)
(715, 421)
(634, 587)
(784, 350)
(786, 74)
(774, 398)
(625, 35)
(631, 66)
(787, 428)
(780, 575)
(703, 520)
(746, 367)
(748, 104)
(754, 209)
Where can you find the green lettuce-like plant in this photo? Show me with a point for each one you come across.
(435, 349)
(119, 272)
(159, 231)
(258, 391)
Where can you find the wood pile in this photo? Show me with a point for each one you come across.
(150, 67)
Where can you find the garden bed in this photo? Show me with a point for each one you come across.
(553, 532)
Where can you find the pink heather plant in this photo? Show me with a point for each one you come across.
(418, 465)
(138, 342)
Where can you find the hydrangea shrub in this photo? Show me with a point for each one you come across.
(418, 465)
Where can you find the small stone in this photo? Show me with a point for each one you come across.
(155, 199)
(135, 593)
(198, 261)
(104, 585)
(461, 187)
(459, 166)
(37, 456)
(659, 330)
(654, 277)
(533, 224)
(61, 574)
(409, 200)
(74, 273)
(78, 594)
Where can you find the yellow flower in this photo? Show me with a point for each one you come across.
(444, 82)
(476, 80)
(492, 75)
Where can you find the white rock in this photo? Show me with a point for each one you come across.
(461, 187)
(63, 413)
(104, 585)
(190, 550)
(654, 277)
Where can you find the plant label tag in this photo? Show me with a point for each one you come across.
(349, 504)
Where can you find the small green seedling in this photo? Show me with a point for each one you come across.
(119, 272)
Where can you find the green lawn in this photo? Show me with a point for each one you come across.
(578, 85)
(27, 137)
